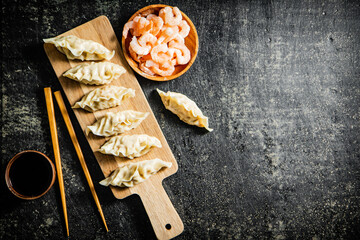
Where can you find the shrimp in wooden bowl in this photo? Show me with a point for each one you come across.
(160, 42)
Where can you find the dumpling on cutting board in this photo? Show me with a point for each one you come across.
(116, 123)
(130, 146)
(78, 48)
(184, 108)
(95, 73)
(134, 173)
(104, 97)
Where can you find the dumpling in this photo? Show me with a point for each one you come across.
(115, 123)
(95, 73)
(77, 48)
(104, 97)
(130, 146)
(184, 108)
(134, 173)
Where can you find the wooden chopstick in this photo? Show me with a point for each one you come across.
(55, 143)
(76, 144)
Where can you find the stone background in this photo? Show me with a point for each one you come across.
(280, 82)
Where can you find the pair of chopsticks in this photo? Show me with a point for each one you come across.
(53, 130)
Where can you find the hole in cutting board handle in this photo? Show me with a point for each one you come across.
(168, 226)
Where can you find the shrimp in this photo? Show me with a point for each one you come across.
(141, 50)
(185, 28)
(140, 26)
(135, 25)
(170, 16)
(146, 69)
(151, 63)
(147, 39)
(182, 53)
(167, 34)
(164, 70)
(151, 16)
(178, 39)
(146, 28)
(158, 23)
(159, 54)
(145, 57)
(148, 12)
(134, 55)
(127, 27)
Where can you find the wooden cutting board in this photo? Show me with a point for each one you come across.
(164, 218)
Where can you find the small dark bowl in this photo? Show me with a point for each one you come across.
(8, 180)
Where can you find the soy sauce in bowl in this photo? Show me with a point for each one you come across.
(30, 174)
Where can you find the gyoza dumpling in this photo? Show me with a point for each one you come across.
(134, 173)
(104, 97)
(77, 48)
(115, 123)
(184, 108)
(130, 146)
(95, 73)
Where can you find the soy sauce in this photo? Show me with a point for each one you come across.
(30, 174)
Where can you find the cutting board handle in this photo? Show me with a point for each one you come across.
(163, 217)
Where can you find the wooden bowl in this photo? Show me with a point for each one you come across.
(9, 180)
(191, 42)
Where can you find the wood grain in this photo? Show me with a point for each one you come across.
(101, 31)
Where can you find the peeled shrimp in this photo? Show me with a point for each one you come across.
(135, 26)
(147, 39)
(165, 70)
(138, 49)
(157, 23)
(167, 34)
(170, 16)
(127, 27)
(140, 26)
(148, 12)
(146, 57)
(134, 55)
(178, 39)
(158, 53)
(182, 53)
(157, 41)
(185, 28)
(146, 69)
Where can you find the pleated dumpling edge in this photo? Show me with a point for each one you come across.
(81, 49)
(134, 173)
(116, 123)
(185, 108)
(130, 146)
(95, 73)
(104, 97)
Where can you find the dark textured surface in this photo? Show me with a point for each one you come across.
(279, 81)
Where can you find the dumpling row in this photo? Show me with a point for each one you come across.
(111, 124)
